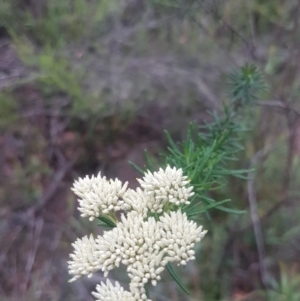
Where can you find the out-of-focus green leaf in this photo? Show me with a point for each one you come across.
(177, 278)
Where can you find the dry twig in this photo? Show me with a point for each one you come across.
(254, 213)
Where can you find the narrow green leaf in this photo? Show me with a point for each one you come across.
(177, 278)
(192, 202)
(149, 161)
(236, 171)
(105, 225)
(191, 207)
(107, 220)
(208, 200)
(203, 161)
(205, 208)
(171, 142)
(233, 211)
(136, 167)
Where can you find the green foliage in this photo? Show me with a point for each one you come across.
(176, 278)
(8, 109)
(106, 221)
(203, 159)
(271, 12)
(55, 23)
(56, 73)
(287, 288)
(206, 151)
(246, 84)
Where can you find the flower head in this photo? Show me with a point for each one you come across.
(138, 201)
(84, 259)
(168, 185)
(98, 195)
(179, 236)
(109, 292)
(135, 243)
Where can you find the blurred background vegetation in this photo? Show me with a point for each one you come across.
(87, 85)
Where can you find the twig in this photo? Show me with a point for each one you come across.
(254, 214)
(234, 232)
(291, 119)
(13, 236)
(277, 104)
(36, 237)
(21, 81)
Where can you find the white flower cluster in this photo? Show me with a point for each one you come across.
(84, 260)
(179, 236)
(109, 292)
(98, 195)
(135, 243)
(143, 243)
(166, 186)
(138, 201)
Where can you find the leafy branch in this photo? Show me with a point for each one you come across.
(206, 151)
